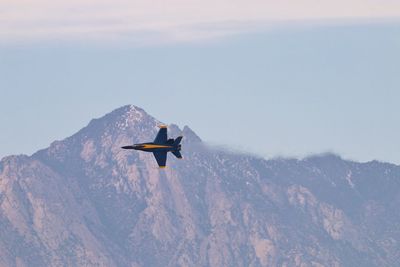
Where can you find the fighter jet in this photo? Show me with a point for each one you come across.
(160, 147)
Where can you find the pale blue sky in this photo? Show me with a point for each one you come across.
(288, 91)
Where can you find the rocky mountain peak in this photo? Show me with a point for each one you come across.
(126, 118)
(130, 116)
(125, 125)
(190, 135)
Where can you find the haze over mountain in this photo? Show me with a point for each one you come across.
(85, 202)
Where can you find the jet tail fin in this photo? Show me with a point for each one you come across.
(177, 154)
(178, 140)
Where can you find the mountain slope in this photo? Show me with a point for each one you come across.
(85, 202)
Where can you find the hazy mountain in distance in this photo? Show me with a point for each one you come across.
(85, 202)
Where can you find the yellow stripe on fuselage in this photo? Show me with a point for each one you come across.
(156, 146)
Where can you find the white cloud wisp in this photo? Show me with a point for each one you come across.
(169, 21)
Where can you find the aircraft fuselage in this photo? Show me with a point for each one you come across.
(151, 147)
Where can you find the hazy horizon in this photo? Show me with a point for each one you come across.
(266, 78)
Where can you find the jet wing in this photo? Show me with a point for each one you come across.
(161, 137)
(161, 158)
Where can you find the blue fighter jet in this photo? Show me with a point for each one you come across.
(160, 147)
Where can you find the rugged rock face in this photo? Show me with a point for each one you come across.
(85, 202)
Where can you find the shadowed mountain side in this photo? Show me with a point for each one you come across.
(84, 201)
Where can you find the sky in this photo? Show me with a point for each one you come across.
(289, 79)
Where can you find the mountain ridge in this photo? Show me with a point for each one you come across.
(84, 201)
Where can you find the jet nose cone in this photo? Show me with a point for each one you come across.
(128, 147)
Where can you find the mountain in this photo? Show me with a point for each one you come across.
(85, 202)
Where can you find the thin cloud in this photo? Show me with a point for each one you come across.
(170, 21)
